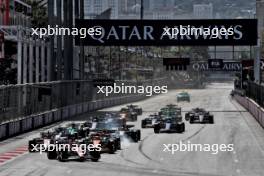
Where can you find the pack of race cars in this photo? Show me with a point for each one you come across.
(104, 133)
(169, 119)
(89, 139)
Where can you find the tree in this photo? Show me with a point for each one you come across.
(39, 14)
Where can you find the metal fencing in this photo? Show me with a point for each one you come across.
(18, 101)
(256, 92)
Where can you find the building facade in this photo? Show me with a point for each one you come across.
(93, 8)
(203, 11)
(25, 56)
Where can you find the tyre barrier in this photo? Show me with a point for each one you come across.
(16, 127)
(252, 107)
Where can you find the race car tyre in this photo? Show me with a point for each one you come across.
(138, 135)
(134, 136)
(111, 147)
(95, 156)
(82, 159)
(51, 154)
(182, 127)
(143, 124)
(156, 129)
(118, 144)
(211, 119)
(140, 111)
(178, 128)
(191, 120)
(95, 159)
(187, 117)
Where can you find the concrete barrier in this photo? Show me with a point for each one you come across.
(91, 105)
(252, 107)
(85, 107)
(65, 113)
(73, 110)
(14, 128)
(48, 118)
(79, 109)
(57, 115)
(3, 131)
(26, 124)
(38, 121)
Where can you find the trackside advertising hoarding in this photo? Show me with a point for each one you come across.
(166, 32)
(227, 66)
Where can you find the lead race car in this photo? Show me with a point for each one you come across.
(171, 121)
(69, 145)
(199, 115)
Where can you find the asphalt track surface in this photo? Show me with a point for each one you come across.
(233, 125)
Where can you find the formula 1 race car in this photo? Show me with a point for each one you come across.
(150, 121)
(135, 108)
(117, 126)
(170, 109)
(70, 147)
(171, 120)
(170, 125)
(199, 115)
(109, 142)
(183, 96)
(128, 114)
(45, 137)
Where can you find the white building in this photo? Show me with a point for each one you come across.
(203, 11)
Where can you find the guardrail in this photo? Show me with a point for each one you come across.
(256, 92)
(256, 110)
(27, 114)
